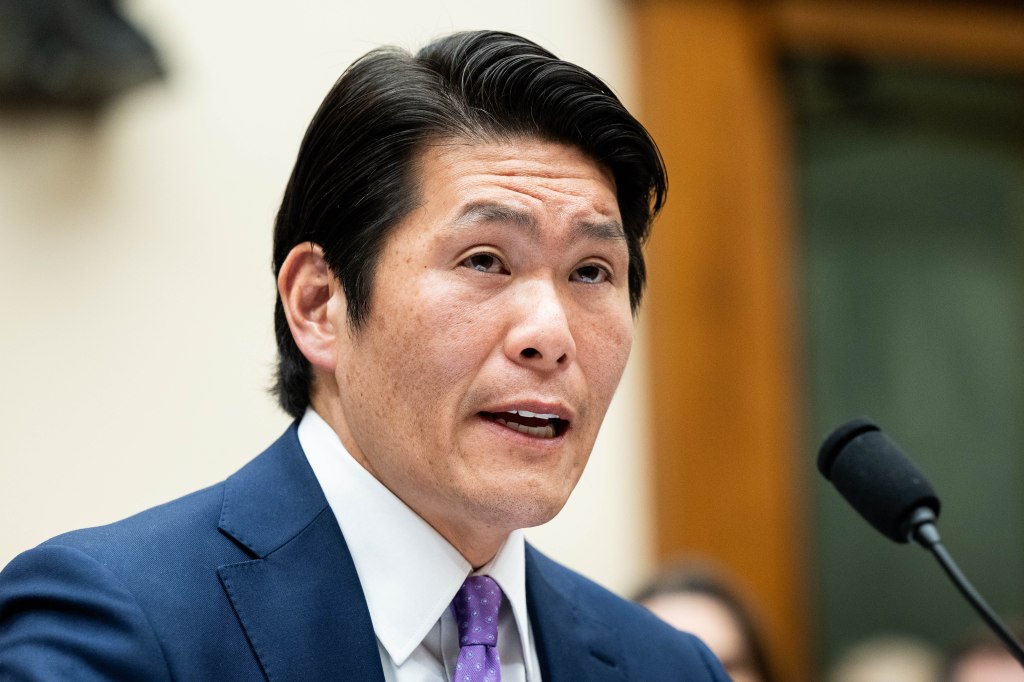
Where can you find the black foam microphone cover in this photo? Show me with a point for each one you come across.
(876, 478)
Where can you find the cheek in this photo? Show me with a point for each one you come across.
(604, 346)
(433, 338)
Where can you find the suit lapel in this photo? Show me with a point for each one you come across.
(299, 599)
(572, 643)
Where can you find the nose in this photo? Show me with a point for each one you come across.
(540, 336)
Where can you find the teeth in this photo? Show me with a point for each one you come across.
(536, 431)
(527, 413)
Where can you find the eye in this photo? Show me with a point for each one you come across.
(590, 274)
(484, 262)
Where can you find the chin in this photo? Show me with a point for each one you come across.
(524, 508)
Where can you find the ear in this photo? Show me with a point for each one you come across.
(312, 300)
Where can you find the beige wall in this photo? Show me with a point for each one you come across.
(136, 345)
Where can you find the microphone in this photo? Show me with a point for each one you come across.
(885, 487)
(878, 480)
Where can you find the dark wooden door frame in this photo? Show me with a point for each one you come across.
(722, 319)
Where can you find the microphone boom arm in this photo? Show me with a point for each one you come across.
(927, 535)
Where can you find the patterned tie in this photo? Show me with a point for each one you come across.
(476, 612)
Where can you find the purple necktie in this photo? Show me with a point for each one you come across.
(476, 613)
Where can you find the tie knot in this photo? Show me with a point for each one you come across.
(476, 607)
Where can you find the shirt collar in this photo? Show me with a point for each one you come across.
(409, 573)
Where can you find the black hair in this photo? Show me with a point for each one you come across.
(355, 175)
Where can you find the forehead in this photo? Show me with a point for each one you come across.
(524, 173)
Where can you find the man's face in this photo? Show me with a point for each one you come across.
(499, 327)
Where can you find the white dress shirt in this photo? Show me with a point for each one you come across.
(410, 573)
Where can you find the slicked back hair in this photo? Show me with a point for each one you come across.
(355, 177)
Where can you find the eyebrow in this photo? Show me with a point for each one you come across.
(488, 212)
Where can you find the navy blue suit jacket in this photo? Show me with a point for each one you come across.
(251, 579)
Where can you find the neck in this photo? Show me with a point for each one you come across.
(476, 547)
(477, 543)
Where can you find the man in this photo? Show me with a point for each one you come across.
(458, 255)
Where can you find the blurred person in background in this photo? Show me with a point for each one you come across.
(695, 597)
(891, 658)
(980, 656)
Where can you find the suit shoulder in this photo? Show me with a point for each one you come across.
(166, 525)
(64, 615)
(651, 641)
(568, 581)
(140, 598)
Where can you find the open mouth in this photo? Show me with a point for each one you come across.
(529, 423)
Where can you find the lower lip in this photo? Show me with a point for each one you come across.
(522, 439)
